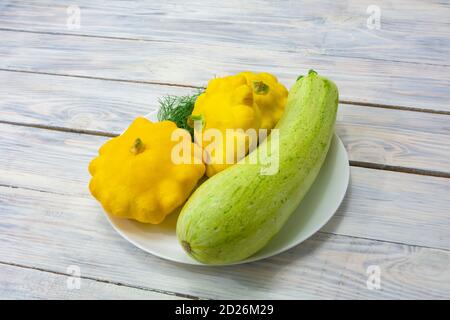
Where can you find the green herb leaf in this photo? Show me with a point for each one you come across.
(178, 109)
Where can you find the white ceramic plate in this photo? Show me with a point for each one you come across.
(317, 207)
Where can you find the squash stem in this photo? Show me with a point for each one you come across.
(138, 146)
(260, 87)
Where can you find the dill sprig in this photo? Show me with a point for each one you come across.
(178, 109)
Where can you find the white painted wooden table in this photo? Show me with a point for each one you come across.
(66, 87)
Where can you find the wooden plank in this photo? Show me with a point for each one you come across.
(23, 283)
(80, 104)
(414, 31)
(395, 207)
(380, 205)
(394, 137)
(362, 80)
(51, 232)
(371, 135)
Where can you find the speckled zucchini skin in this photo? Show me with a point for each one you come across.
(236, 212)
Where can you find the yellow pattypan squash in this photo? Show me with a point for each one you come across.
(134, 175)
(244, 101)
(270, 96)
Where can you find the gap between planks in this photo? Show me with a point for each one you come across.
(81, 35)
(318, 232)
(164, 292)
(354, 163)
(181, 85)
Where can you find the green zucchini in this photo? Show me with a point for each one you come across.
(236, 212)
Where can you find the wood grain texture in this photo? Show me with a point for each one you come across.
(52, 232)
(24, 283)
(380, 205)
(361, 80)
(395, 137)
(81, 104)
(100, 77)
(371, 135)
(415, 31)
